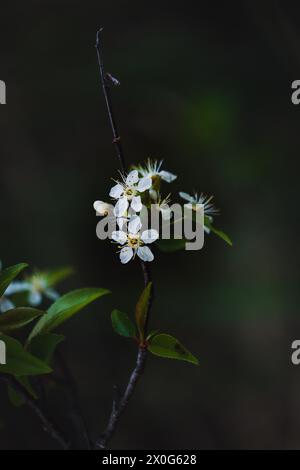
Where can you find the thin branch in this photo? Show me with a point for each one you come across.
(48, 425)
(118, 408)
(106, 91)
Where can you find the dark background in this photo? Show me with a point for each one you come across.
(206, 86)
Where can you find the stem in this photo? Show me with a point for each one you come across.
(119, 406)
(106, 91)
(48, 425)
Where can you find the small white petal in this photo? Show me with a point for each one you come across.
(51, 293)
(132, 178)
(5, 304)
(119, 236)
(102, 208)
(121, 207)
(149, 236)
(136, 203)
(187, 197)
(144, 184)
(126, 254)
(167, 176)
(116, 191)
(121, 221)
(35, 298)
(145, 253)
(206, 230)
(134, 225)
(17, 286)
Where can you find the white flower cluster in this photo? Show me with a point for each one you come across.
(142, 182)
(139, 188)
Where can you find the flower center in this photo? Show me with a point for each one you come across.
(133, 241)
(129, 193)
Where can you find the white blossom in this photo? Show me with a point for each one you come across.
(102, 208)
(209, 208)
(134, 240)
(152, 169)
(128, 193)
(36, 286)
(203, 200)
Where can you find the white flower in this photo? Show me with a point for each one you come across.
(205, 201)
(134, 241)
(152, 169)
(128, 193)
(101, 208)
(37, 286)
(209, 208)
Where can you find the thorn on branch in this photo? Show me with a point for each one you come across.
(112, 79)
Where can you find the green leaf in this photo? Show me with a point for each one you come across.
(167, 346)
(18, 317)
(55, 276)
(9, 274)
(64, 308)
(151, 334)
(170, 246)
(217, 232)
(15, 398)
(141, 309)
(43, 346)
(20, 362)
(122, 324)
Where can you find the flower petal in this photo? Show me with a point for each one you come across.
(126, 254)
(132, 178)
(5, 304)
(121, 221)
(35, 298)
(149, 236)
(116, 191)
(121, 207)
(136, 203)
(102, 208)
(17, 286)
(144, 184)
(51, 293)
(119, 236)
(187, 197)
(167, 176)
(134, 225)
(145, 253)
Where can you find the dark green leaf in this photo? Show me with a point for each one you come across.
(64, 308)
(170, 246)
(217, 232)
(43, 346)
(122, 324)
(167, 346)
(9, 274)
(18, 317)
(20, 362)
(15, 398)
(141, 309)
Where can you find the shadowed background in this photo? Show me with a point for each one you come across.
(206, 88)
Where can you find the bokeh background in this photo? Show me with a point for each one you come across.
(207, 87)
